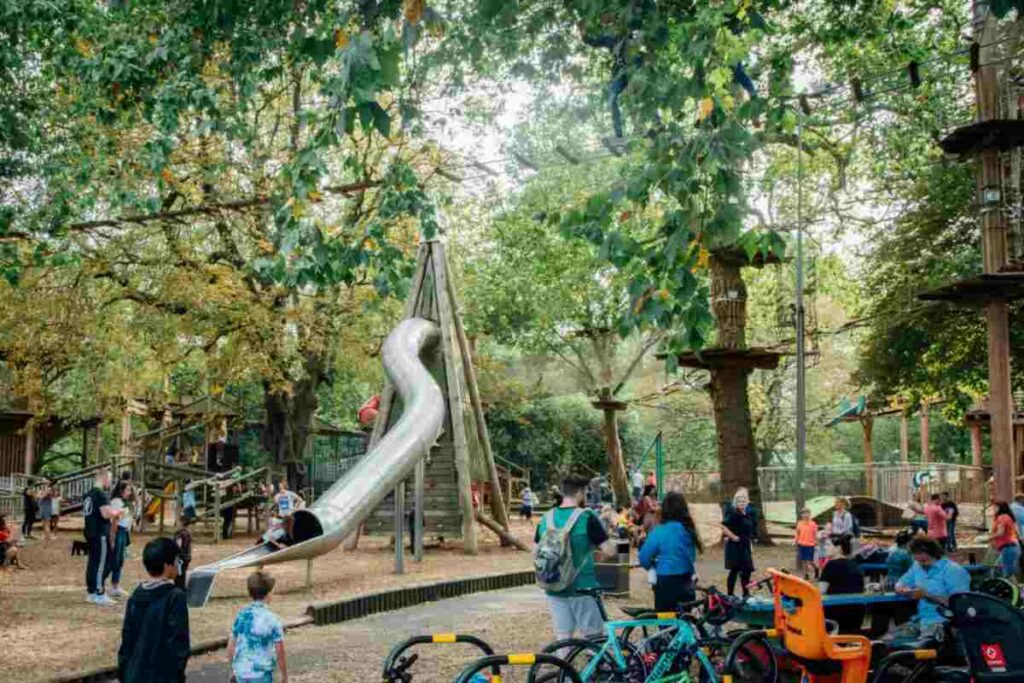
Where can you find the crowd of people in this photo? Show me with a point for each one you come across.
(916, 564)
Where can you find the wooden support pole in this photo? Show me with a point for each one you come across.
(419, 513)
(309, 575)
(145, 495)
(867, 424)
(976, 444)
(994, 229)
(399, 526)
(507, 538)
(904, 439)
(455, 407)
(126, 433)
(30, 447)
(926, 445)
(215, 516)
(499, 509)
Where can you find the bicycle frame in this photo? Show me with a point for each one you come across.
(683, 638)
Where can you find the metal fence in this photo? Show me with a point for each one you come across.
(895, 484)
(323, 469)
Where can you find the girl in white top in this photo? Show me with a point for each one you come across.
(120, 536)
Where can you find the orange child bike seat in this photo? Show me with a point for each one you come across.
(800, 621)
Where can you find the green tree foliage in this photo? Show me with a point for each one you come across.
(916, 350)
(555, 436)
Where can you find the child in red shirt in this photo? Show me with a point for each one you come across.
(8, 551)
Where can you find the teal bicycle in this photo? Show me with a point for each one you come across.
(672, 655)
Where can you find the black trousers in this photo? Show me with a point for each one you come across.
(95, 568)
(227, 523)
(744, 576)
(671, 590)
(26, 526)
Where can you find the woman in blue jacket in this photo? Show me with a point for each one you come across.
(671, 549)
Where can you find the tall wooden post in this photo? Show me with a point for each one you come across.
(215, 516)
(399, 527)
(926, 441)
(499, 509)
(126, 432)
(994, 251)
(904, 439)
(418, 519)
(867, 424)
(30, 447)
(976, 444)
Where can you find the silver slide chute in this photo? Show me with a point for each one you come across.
(342, 508)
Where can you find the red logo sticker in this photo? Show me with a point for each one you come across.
(992, 653)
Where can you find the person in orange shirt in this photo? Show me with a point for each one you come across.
(1005, 539)
(806, 540)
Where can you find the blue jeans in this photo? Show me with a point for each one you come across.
(1009, 556)
(115, 561)
(950, 534)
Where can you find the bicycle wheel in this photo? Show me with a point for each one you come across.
(751, 659)
(579, 653)
(904, 671)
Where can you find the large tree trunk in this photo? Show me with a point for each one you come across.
(289, 416)
(737, 455)
(616, 463)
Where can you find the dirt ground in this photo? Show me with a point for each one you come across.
(515, 620)
(46, 604)
(48, 628)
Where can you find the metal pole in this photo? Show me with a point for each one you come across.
(659, 466)
(417, 525)
(399, 525)
(801, 379)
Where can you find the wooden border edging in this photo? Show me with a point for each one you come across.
(337, 611)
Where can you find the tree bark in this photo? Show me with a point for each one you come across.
(289, 416)
(616, 464)
(737, 455)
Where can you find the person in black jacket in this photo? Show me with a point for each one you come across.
(155, 643)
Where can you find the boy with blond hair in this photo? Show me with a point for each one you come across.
(256, 646)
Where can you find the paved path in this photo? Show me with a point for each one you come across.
(515, 618)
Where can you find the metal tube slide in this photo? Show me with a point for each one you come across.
(342, 508)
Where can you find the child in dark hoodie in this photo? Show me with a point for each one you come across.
(155, 639)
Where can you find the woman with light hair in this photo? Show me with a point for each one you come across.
(739, 526)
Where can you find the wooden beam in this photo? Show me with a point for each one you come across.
(506, 538)
(867, 424)
(976, 444)
(994, 254)
(926, 444)
(904, 439)
(455, 407)
(499, 509)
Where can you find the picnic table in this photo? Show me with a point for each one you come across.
(881, 608)
(879, 568)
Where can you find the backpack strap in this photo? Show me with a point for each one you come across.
(571, 522)
(549, 520)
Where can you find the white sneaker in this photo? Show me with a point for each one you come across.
(116, 593)
(103, 600)
(89, 597)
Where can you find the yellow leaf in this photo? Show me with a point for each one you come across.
(315, 196)
(340, 39)
(167, 175)
(706, 105)
(413, 11)
(153, 38)
(83, 47)
(703, 259)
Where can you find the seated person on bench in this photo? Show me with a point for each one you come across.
(843, 576)
(931, 580)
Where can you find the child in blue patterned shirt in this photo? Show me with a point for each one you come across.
(256, 646)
